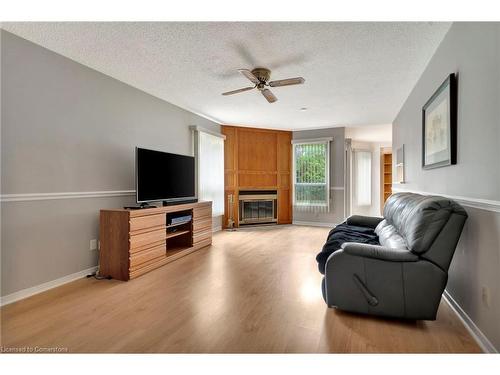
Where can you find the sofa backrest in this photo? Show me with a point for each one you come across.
(421, 220)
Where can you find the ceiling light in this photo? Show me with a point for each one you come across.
(303, 109)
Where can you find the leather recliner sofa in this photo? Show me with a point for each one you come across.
(404, 275)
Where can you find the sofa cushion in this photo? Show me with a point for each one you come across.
(418, 219)
(388, 236)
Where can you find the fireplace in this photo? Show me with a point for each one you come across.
(258, 206)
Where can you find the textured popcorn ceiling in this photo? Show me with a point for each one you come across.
(356, 73)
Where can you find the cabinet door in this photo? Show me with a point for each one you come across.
(146, 240)
(147, 222)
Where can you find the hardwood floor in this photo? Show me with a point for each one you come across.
(253, 291)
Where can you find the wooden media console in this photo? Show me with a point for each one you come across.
(134, 242)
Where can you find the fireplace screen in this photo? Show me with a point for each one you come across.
(258, 208)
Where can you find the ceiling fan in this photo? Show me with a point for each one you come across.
(260, 77)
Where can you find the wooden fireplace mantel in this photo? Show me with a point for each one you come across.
(258, 159)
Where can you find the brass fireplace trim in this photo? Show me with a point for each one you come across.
(255, 197)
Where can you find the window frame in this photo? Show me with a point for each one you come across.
(298, 142)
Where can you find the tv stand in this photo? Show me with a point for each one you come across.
(134, 242)
(184, 201)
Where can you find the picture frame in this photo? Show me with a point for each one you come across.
(439, 126)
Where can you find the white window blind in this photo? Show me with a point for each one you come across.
(362, 178)
(210, 167)
(311, 175)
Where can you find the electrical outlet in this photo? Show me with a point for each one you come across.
(93, 245)
(486, 296)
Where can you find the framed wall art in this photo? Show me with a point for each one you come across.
(439, 126)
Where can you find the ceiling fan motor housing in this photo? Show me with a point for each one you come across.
(262, 74)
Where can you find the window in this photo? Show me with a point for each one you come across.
(362, 178)
(209, 150)
(311, 173)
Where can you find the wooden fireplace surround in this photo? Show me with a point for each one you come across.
(257, 159)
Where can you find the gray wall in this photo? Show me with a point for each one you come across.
(473, 51)
(68, 128)
(336, 214)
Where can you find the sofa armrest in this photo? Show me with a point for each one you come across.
(379, 252)
(397, 286)
(364, 221)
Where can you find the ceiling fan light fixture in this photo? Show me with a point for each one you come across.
(260, 78)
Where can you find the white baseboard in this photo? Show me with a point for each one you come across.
(314, 224)
(216, 229)
(473, 329)
(25, 293)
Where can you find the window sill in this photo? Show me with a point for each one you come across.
(309, 205)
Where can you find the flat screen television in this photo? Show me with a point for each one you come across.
(162, 176)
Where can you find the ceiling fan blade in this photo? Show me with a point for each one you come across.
(238, 91)
(287, 82)
(247, 73)
(269, 95)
